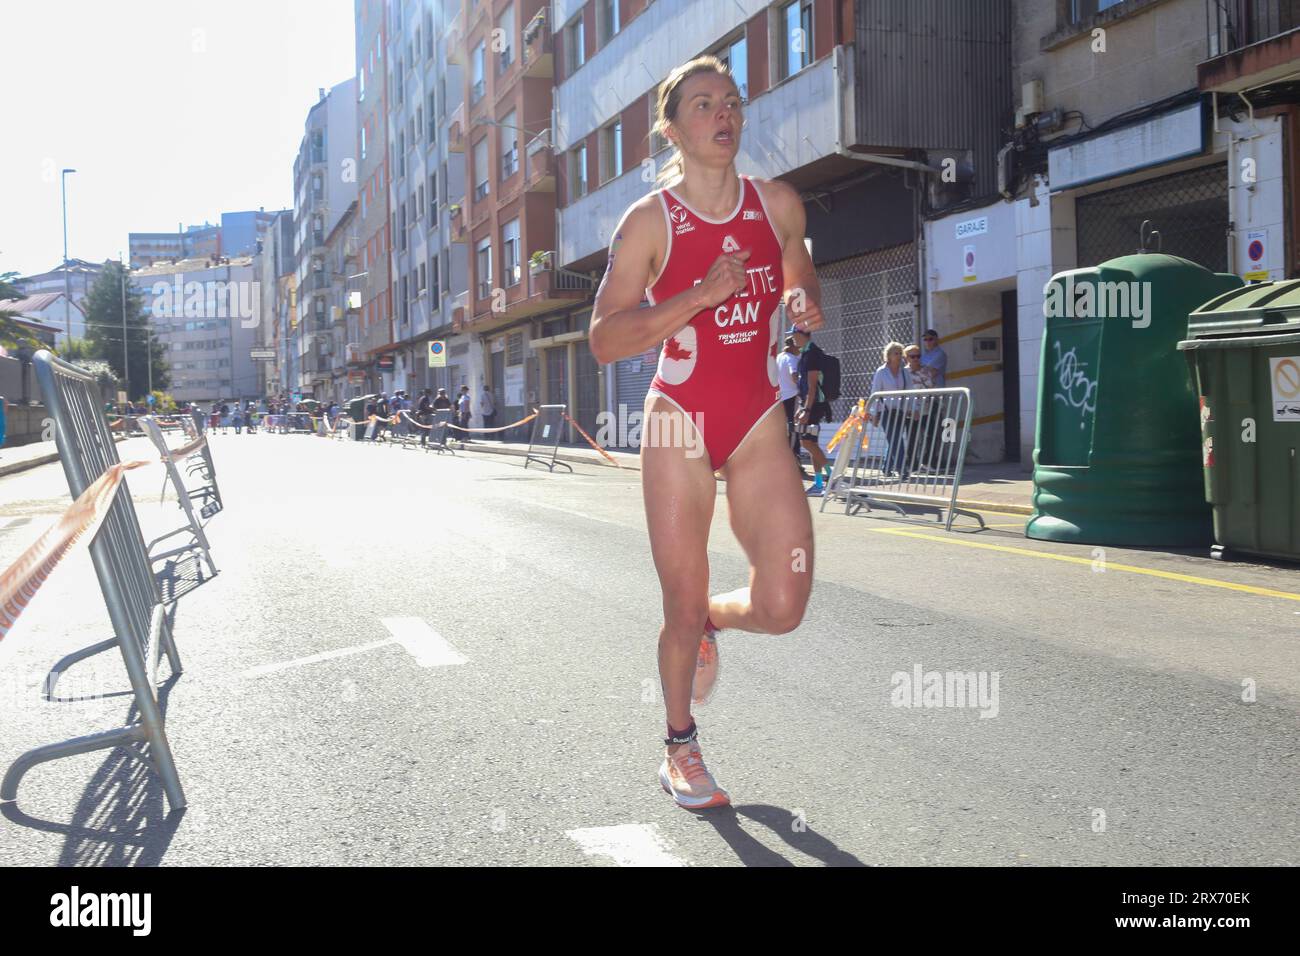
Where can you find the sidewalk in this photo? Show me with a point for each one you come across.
(1005, 486)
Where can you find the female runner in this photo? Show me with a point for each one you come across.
(714, 253)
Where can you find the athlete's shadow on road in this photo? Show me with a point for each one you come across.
(781, 822)
(122, 817)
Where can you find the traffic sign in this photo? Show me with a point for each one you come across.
(437, 354)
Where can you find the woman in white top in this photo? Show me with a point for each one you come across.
(889, 413)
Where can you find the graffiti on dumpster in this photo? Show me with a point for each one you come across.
(1075, 389)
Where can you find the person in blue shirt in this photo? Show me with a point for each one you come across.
(934, 357)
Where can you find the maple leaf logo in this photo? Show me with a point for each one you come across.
(673, 350)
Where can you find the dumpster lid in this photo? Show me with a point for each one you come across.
(1262, 308)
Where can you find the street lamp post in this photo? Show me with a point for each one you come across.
(126, 368)
(67, 280)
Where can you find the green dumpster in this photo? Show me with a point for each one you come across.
(1116, 449)
(1244, 352)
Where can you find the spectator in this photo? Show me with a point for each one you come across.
(238, 418)
(487, 407)
(382, 412)
(225, 417)
(250, 415)
(372, 409)
(463, 411)
(442, 401)
(813, 409)
(888, 413)
(424, 415)
(921, 435)
(787, 377)
(935, 358)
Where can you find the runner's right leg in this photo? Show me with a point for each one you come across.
(680, 493)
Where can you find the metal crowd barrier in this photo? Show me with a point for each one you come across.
(441, 432)
(914, 455)
(184, 496)
(548, 426)
(141, 630)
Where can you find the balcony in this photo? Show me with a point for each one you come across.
(353, 354)
(541, 164)
(456, 130)
(1251, 43)
(546, 290)
(537, 56)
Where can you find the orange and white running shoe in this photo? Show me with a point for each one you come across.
(684, 776)
(706, 669)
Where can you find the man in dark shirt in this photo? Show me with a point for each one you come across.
(813, 408)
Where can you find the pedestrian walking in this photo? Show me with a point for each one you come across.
(920, 437)
(382, 412)
(250, 416)
(225, 417)
(814, 409)
(725, 385)
(787, 379)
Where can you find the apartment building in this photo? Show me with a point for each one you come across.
(325, 187)
(206, 313)
(428, 271)
(878, 111)
(273, 262)
(370, 328)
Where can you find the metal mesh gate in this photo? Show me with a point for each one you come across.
(868, 301)
(1190, 210)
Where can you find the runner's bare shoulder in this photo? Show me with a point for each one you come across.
(783, 203)
(634, 252)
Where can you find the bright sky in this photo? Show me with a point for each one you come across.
(170, 111)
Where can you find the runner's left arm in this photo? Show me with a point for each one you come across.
(803, 291)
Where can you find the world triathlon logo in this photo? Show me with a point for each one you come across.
(678, 215)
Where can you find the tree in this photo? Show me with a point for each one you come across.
(104, 332)
(13, 335)
(77, 351)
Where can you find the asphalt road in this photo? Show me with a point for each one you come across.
(419, 659)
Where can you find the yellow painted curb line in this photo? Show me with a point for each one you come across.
(1168, 575)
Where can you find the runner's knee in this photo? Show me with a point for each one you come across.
(686, 618)
(779, 611)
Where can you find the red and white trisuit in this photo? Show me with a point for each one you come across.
(720, 370)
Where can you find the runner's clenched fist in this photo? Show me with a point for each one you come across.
(726, 277)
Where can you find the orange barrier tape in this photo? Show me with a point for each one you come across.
(482, 431)
(608, 456)
(22, 579)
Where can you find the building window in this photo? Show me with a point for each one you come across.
(419, 203)
(607, 25)
(506, 24)
(401, 153)
(477, 88)
(433, 195)
(483, 267)
(418, 129)
(433, 283)
(481, 169)
(399, 87)
(509, 145)
(574, 45)
(735, 55)
(511, 270)
(363, 142)
(433, 122)
(1082, 11)
(578, 172)
(419, 285)
(796, 36)
(611, 151)
(401, 233)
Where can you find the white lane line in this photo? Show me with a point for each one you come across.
(577, 514)
(629, 844)
(422, 642)
(327, 655)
